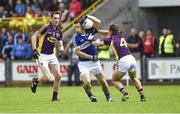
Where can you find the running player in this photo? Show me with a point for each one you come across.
(88, 61)
(43, 43)
(126, 62)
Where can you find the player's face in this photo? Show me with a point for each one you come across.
(55, 20)
(79, 28)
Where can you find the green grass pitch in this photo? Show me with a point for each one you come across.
(161, 99)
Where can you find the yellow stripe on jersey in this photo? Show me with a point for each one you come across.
(114, 50)
(41, 40)
(42, 28)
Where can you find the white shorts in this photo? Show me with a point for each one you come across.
(45, 59)
(127, 63)
(90, 66)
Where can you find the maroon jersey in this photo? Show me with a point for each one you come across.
(118, 45)
(49, 36)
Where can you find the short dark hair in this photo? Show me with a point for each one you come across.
(55, 12)
(114, 28)
(149, 29)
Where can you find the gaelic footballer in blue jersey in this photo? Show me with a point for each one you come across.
(43, 43)
(126, 62)
(88, 62)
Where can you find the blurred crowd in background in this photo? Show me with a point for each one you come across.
(16, 45)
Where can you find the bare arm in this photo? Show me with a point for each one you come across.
(98, 44)
(103, 32)
(82, 54)
(61, 46)
(96, 21)
(35, 36)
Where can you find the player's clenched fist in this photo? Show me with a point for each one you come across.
(35, 54)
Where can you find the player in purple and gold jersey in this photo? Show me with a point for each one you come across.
(43, 45)
(126, 62)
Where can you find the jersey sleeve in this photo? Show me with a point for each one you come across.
(107, 41)
(43, 30)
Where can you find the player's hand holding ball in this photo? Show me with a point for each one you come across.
(35, 54)
(86, 22)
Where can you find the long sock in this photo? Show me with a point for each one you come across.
(89, 93)
(36, 80)
(54, 95)
(141, 92)
(123, 91)
(108, 95)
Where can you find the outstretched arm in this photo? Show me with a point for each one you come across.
(98, 44)
(82, 54)
(103, 32)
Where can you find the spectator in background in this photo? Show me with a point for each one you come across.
(64, 12)
(135, 43)
(10, 8)
(43, 5)
(21, 50)
(7, 49)
(29, 11)
(86, 3)
(3, 38)
(17, 35)
(34, 5)
(3, 13)
(38, 12)
(74, 9)
(103, 51)
(28, 3)
(54, 6)
(149, 44)
(20, 8)
(166, 44)
(73, 66)
(142, 36)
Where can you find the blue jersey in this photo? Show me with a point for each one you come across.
(85, 45)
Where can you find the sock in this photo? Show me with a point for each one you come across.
(36, 81)
(140, 91)
(123, 91)
(107, 95)
(89, 93)
(54, 95)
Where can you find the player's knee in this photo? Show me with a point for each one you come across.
(57, 77)
(87, 86)
(132, 76)
(47, 77)
(115, 78)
